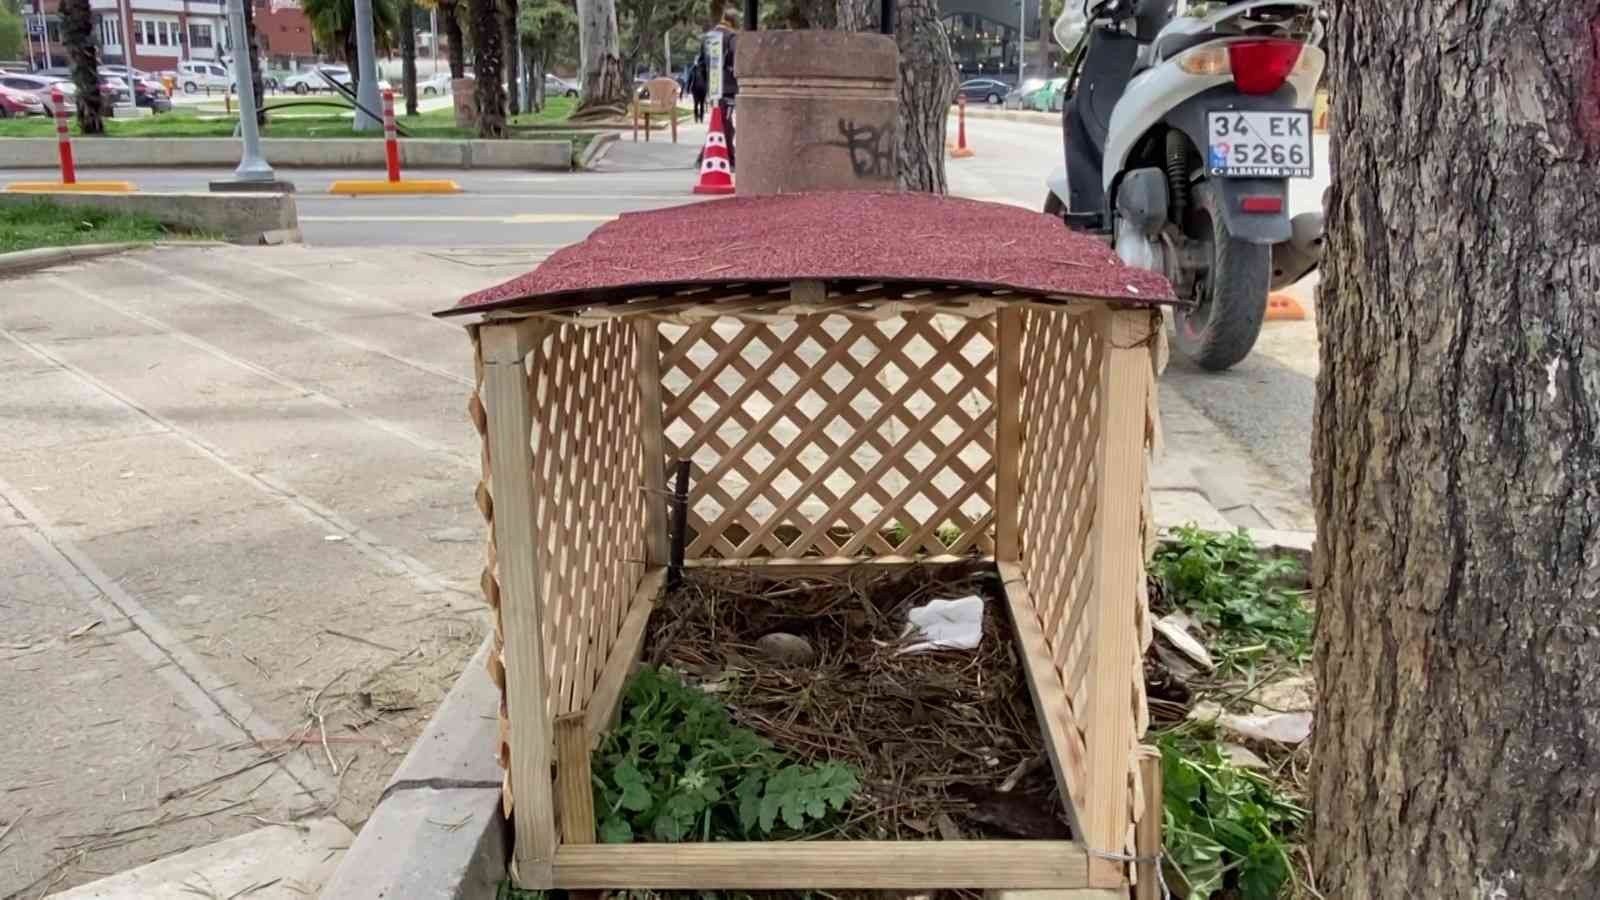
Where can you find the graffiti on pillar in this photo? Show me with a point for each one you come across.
(871, 148)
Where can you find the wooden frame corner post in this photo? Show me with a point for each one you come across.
(1008, 436)
(652, 440)
(505, 346)
(1118, 559)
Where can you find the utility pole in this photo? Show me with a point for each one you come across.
(253, 173)
(1022, 38)
(367, 90)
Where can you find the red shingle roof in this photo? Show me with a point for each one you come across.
(910, 238)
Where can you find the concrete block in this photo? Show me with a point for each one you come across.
(427, 844)
(1174, 508)
(458, 746)
(297, 860)
(241, 218)
(325, 153)
(555, 155)
(439, 832)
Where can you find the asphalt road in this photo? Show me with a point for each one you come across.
(1264, 403)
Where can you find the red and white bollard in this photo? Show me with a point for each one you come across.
(69, 172)
(961, 151)
(391, 142)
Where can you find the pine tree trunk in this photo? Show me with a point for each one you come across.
(488, 67)
(408, 54)
(258, 84)
(604, 91)
(927, 86)
(513, 59)
(1457, 460)
(77, 32)
(450, 16)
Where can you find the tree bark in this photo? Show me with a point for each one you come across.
(927, 86)
(450, 17)
(1457, 460)
(408, 54)
(258, 84)
(513, 67)
(77, 32)
(488, 68)
(604, 91)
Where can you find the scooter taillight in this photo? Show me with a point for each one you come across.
(1261, 67)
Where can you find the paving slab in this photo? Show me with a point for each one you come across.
(278, 862)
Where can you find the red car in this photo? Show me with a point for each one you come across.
(19, 103)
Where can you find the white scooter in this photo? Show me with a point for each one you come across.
(1181, 133)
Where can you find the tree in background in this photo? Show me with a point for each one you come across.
(333, 24)
(450, 23)
(258, 82)
(549, 31)
(604, 90)
(78, 33)
(513, 45)
(1457, 454)
(408, 54)
(488, 65)
(13, 42)
(927, 86)
(644, 23)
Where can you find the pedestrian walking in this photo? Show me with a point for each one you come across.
(716, 56)
(697, 89)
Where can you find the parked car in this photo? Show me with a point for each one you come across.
(39, 86)
(113, 88)
(985, 90)
(309, 80)
(195, 76)
(1019, 97)
(17, 102)
(435, 85)
(149, 91)
(559, 87)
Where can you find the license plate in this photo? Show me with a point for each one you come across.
(1257, 144)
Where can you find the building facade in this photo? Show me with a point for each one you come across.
(159, 34)
(986, 40)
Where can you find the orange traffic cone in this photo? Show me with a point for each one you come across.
(716, 173)
(1284, 308)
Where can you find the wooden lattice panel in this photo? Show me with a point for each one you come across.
(835, 436)
(588, 506)
(1060, 386)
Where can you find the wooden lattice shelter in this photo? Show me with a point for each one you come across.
(858, 379)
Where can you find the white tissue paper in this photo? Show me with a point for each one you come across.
(946, 625)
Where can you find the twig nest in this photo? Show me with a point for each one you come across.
(788, 649)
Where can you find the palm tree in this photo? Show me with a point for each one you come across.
(333, 24)
(408, 53)
(77, 31)
(488, 58)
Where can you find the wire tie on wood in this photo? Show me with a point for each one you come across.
(1161, 876)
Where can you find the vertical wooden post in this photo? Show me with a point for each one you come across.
(573, 787)
(1118, 558)
(1008, 436)
(1147, 837)
(511, 472)
(653, 441)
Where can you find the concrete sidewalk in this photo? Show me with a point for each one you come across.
(242, 554)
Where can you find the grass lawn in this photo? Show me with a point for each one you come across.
(43, 224)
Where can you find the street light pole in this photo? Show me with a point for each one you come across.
(1022, 38)
(253, 173)
(367, 90)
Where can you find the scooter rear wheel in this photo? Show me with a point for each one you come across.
(1231, 297)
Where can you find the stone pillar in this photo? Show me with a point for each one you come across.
(815, 111)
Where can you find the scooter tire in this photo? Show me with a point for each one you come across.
(1053, 206)
(1223, 328)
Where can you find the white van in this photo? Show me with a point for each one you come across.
(200, 76)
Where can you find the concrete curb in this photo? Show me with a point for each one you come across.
(596, 150)
(44, 257)
(1012, 115)
(324, 153)
(243, 218)
(438, 832)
